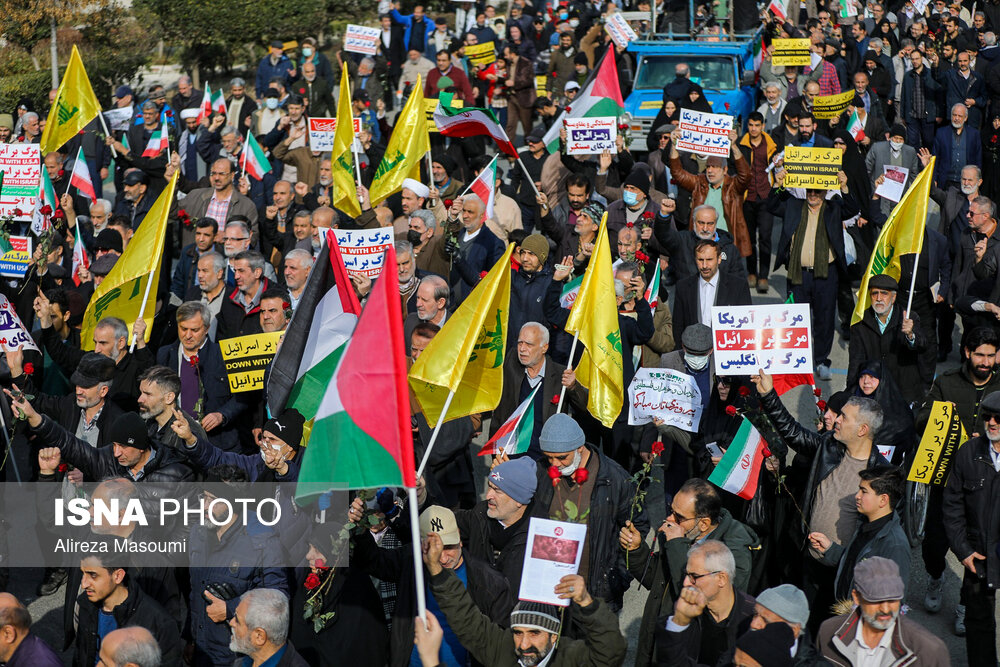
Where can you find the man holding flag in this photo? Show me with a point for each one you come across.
(473, 248)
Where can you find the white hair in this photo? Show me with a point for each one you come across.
(543, 332)
(267, 609)
(717, 556)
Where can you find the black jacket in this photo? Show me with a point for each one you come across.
(64, 411)
(527, 299)
(731, 290)
(781, 203)
(898, 356)
(956, 386)
(505, 555)
(234, 320)
(466, 268)
(137, 610)
(609, 510)
(971, 503)
(682, 649)
(680, 244)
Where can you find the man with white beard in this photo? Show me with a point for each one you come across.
(260, 629)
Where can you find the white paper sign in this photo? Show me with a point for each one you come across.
(893, 185)
(322, 130)
(704, 133)
(21, 165)
(919, 6)
(553, 551)
(619, 29)
(586, 136)
(12, 331)
(775, 338)
(363, 249)
(661, 392)
(360, 39)
(887, 451)
(119, 120)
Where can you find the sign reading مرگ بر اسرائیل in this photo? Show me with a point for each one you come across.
(812, 168)
(246, 358)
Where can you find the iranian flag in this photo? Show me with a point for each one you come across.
(470, 122)
(600, 96)
(514, 436)
(218, 101)
(159, 141)
(362, 435)
(45, 204)
(855, 128)
(253, 159)
(570, 292)
(205, 110)
(777, 9)
(79, 178)
(80, 258)
(485, 186)
(739, 468)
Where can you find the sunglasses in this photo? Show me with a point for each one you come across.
(990, 416)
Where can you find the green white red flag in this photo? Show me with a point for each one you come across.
(253, 160)
(514, 436)
(485, 186)
(739, 469)
(79, 178)
(855, 127)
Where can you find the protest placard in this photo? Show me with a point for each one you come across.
(21, 165)
(12, 332)
(893, 185)
(774, 338)
(359, 39)
(942, 437)
(321, 131)
(119, 120)
(619, 29)
(362, 249)
(591, 135)
(790, 51)
(15, 262)
(704, 133)
(541, 86)
(670, 395)
(812, 168)
(831, 106)
(246, 358)
(849, 8)
(431, 105)
(481, 54)
(553, 551)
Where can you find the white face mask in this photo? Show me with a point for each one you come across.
(306, 51)
(572, 467)
(896, 146)
(574, 23)
(696, 362)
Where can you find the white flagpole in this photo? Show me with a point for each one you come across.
(107, 132)
(434, 435)
(418, 560)
(142, 306)
(569, 364)
(913, 283)
(246, 145)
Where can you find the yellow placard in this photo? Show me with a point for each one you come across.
(482, 54)
(246, 358)
(431, 105)
(942, 437)
(830, 106)
(812, 168)
(790, 51)
(541, 85)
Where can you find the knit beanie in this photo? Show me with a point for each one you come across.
(518, 478)
(537, 245)
(537, 616)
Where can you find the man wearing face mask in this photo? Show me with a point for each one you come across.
(266, 118)
(895, 153)
(427, 245)
(694, 359)
(634, 204)
(311, 55)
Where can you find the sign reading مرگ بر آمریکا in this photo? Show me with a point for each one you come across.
(21, 165)
(773, 338)
(704, 133)
(361, 39)
(246, 358)
(323, 130)
(363, 250)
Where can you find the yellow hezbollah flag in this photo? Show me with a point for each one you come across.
(466, 356)
(345, 191)
(594, 318)
(407, 145)
(75, 106)
(902, 234)
(120, 293)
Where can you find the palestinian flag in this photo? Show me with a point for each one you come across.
(471, 122)
(159, 141)
(514, 436)
(362, 436)
(45, 205)
(739, 468)
(600, 96)
(855, 128)
(80, 177)
(570, 292)
(80, 258)
(253, 160)
(316, 336)
(485, 186)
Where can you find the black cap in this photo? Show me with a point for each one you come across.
(883, 281)
(362, 96)
(991, 403)
(129, 430)
(898, 131)
(277, 44)
(109, 239)
(536, 136)
(838, 401)
(92, 369)
(272, 92)
(55, 270)
(832, 41)
(135, 177)
(102, 265)
(771, 645)
(287, 427)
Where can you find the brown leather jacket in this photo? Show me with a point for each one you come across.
(733, 190)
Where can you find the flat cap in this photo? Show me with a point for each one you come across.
(697, 339)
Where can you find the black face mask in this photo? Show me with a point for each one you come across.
(413, 237)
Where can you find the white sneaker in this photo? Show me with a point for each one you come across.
(960, 620)
(932, 598)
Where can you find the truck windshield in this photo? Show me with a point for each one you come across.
(711, 73)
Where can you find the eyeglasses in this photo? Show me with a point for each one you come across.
(991, 417)
(695, 577)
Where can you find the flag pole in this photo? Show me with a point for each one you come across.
(418, 561)
(531, 181)
(244, 154)
(913, 283)
(107, 132)
(434, 435)
(569, 364)
(142, 306)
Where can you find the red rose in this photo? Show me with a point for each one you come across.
(29, 368)
(766, 452)
(630, 225)
(181, 213)
(641, 256)
(821, 405)
(657, 448)
(817, 392)
(45, 210)
(727, 106)
(62, 172)
(555, 75)
(193, 360)
(448, 203)
(63, 467)
(569, 109)
(731, 410)
(58, 215)
(302, 91)
(555, 400)
(581, 475)
(169, 113)
(648, 215)
(482, 274)
(554, 472)
(312, 582)
(744, 391)
(80, 132)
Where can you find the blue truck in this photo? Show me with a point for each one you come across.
(725, 69)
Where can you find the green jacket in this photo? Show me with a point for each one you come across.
(493, 645)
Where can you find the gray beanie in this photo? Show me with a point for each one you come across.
(786, 601)
(560, 434)
(517, 478)
(544, 617)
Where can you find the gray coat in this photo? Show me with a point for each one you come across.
(889, 542)
(880, 155)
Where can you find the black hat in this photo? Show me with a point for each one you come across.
(883, 281)
(838, 401)
(272, 92)
(446, 162)
(55, 270)
(991, 403)
(581, 59)
(102, 265)
(771, 645)
(639, 179)
(287, 427)
(536, 136)
(898, 131)
(870, 55)
(832, 41)
(92, 369)
(135, 177)
(362, 96)
(277, 44)
(129, 430)
(109, 239)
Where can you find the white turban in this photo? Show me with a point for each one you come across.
(189, 113)
(416, 187)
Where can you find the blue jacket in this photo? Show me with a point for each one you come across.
(931, 89)
(406, 20)
(958, 89)
(184, 272)
(942, 149)
(483, 253)
(266, 71)
(217, 395)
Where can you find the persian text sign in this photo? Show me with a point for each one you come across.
(774, 338)
(363, 249)
(942, 437)
(661, 392)
(247, 357)
(704, 133)
(619, 29)
(21, 165)
(790, 51)
(12, 332)
(831, 106)
(586, 136)
(321, 131)
(360, 39)
(15, 263)
(812, 168)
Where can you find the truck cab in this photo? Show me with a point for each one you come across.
(724, 69)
